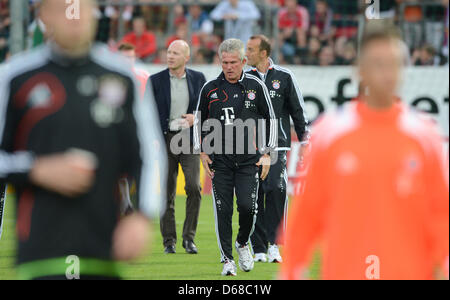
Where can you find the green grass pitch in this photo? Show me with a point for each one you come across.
(156, 265)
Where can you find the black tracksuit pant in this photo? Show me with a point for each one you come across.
(2, 205)
(272, 204)
(230, 178)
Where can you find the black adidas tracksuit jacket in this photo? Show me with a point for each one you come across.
(230, 105)
(287, 102)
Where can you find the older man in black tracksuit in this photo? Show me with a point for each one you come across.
(287, 101)
(234, 161)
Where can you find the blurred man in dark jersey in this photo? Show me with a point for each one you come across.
(71, 125)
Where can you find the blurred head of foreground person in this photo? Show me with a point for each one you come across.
(376, 194)
(380, 69)
(73, 174)
(72, 35)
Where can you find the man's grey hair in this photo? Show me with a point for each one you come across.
(232, 46)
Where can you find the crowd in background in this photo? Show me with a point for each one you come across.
(308, 32)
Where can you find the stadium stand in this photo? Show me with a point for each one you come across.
(305, 32)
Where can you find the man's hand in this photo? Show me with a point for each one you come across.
(206, 161)
(303, 152)
(264, 161)
(189, 118)
(69, 174)
(131, 237)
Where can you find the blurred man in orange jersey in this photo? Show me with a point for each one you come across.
(376, 195)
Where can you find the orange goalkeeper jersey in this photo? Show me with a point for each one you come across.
(375, 200)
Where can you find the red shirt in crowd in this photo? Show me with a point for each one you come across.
(300, 19)
(145, 44)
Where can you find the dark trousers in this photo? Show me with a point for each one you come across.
(190, 164)
(272, 205)
(228, 180)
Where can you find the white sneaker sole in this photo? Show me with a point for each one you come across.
(240, 265)
(247, 270)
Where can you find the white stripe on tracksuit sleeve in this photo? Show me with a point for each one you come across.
(19, 162)
(152, 190)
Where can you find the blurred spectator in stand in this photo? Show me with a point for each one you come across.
(36, 32)
(199, 21)
(326, 57)
(182, 33)
(201, 28)
(4, 29)
(157, 14)
(312, 57)
(321, 22)
(239, 17)
(424, 24)
(108, 18)
(308, 4)
(144, 41)
(36, 28)
(5, 19)
(106, 29)
(201, 56)
(445, 51)
(425, 56)
(293, 25)
(161, 58)
(347, 55)
(412, 27)
(345, 14)
(435, 16)
(179, 16)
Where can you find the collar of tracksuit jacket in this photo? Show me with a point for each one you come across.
(60, 58)
(223, 79)
(225, 85)
(271, 67)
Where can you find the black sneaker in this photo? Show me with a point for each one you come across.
(190, 247)
(170, 250)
